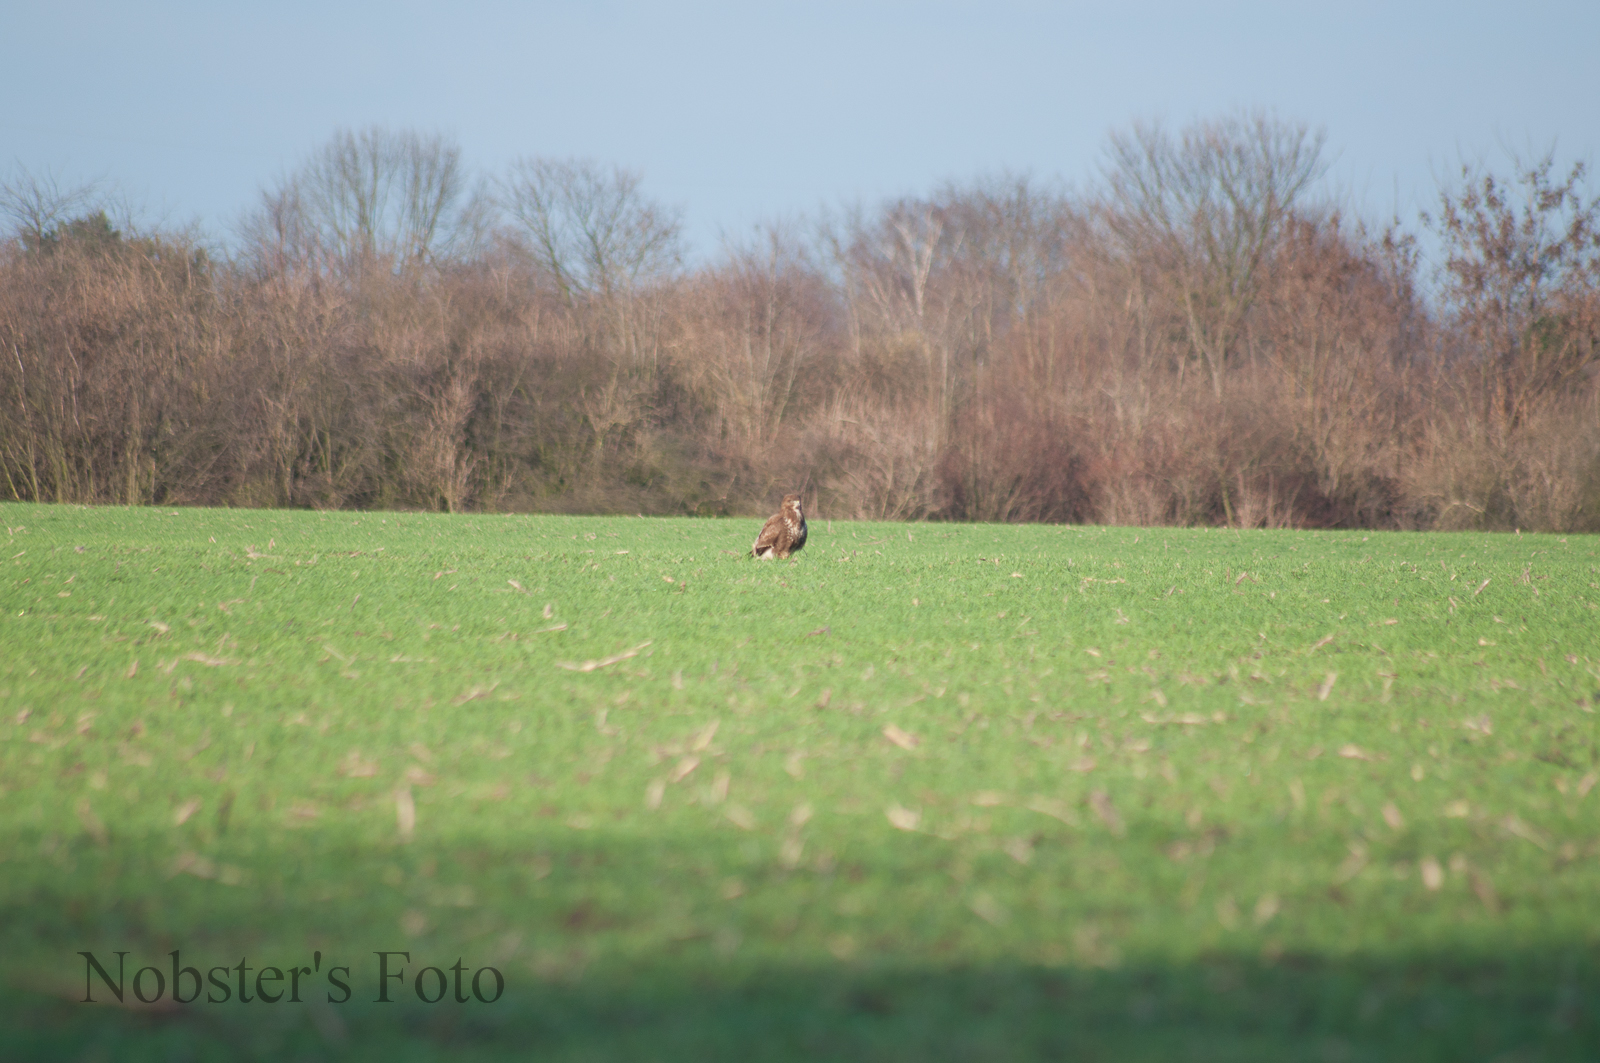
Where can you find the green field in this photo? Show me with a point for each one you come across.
(925, 792)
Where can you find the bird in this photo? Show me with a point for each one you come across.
(783, 533)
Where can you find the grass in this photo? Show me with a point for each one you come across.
(926, 792)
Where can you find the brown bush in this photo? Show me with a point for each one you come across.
(995, 351)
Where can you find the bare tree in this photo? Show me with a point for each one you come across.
(1521, 280)
(1516, 437)
(757, 325)
(905, 313)
(1209, 204)
(377, 198)
(36, 204)
(589, 227)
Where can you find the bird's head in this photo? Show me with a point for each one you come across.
(792, 503)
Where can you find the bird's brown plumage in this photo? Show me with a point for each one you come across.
(783, 533)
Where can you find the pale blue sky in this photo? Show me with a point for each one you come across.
(743, 112)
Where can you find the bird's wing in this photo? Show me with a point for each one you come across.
(769, 534)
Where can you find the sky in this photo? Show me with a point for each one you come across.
(743, 113)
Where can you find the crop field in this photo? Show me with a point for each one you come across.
(607, 789)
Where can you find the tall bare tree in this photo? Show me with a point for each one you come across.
(589, 226)
(1521, 278)
(1208, 204)
(758, 325)
(374, 199)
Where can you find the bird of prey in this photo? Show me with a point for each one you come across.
(783, 533)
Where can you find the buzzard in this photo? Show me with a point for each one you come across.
(783, 533)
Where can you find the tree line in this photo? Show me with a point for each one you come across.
(1196, 338)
